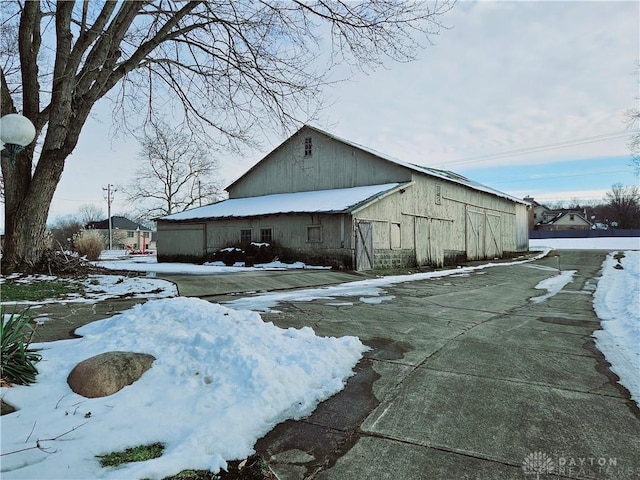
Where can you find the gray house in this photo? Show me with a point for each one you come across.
(325, 196)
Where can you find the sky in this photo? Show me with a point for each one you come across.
(526, 97)
(239, 376)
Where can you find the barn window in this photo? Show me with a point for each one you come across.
(314, 233)
(245, 235)
(572, 217)
(266, 235)
(438, 194)
(307, 147)
(130, 234)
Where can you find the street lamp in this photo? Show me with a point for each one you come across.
(16, 132)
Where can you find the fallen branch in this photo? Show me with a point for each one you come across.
(40, 447)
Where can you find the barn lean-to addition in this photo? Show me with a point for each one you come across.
(326, 197)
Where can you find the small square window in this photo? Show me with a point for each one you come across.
(572, 217)
(266, 235)
(307, 147)
(129, 234)
(314, 233)
(245, 235)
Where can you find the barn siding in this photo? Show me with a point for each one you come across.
(178, 242)
(432, 221)
(331, 165)
(434, 217)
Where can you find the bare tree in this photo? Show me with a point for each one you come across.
(90, 213)
(177, 173)
(633, 117)
(633, 123)
(222, 67)
(623, 203)
(63, 230)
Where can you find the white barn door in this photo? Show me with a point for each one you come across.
(421, 240)
(493, 240)
(475, 234)
(364, 246)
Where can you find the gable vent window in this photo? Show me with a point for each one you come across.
(438, 194)
(307, 147)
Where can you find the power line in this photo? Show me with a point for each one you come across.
(542, 148)
(562, 176)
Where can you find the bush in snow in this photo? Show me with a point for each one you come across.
(88, 244)
(18, 361)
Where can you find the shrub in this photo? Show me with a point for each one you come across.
(18, 361)
(88, 244)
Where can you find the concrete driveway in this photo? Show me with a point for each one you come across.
(467, 378)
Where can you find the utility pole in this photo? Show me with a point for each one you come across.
(110, 191)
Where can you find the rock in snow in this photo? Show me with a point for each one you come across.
(108, 373)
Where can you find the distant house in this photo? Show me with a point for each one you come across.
(126, 234)
(566, 220)
(324, 196)
(545, 218)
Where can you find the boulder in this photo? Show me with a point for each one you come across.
(107, 373)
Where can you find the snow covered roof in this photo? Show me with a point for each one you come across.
(434, 172)
(340, 200)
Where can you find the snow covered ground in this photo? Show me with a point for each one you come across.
(149, 263)
(602, 243)
(617, 304)
(211, 394)
(101, 287)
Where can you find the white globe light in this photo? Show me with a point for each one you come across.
(16, 129)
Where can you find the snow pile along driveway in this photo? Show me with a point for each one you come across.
(617, 303)
(222, 379)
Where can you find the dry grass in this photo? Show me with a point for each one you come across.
(88, 244)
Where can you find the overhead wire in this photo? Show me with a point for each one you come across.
(542, 148)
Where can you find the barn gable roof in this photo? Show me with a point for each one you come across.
(433, 172)
(342, 200)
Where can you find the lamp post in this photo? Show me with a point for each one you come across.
(16, 132)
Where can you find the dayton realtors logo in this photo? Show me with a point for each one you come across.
(538, 463)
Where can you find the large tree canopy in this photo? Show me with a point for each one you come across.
(224, 67)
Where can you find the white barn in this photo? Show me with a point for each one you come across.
(325, 197)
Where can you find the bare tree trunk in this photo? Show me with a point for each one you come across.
(27, 205)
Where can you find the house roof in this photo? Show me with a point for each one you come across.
(563, 214)
(117, 222)
(342, 200)
(433, 172)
